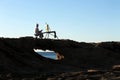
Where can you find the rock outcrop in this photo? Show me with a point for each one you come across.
(17, 55)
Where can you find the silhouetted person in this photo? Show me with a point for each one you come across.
(37, 32)
(37, 29)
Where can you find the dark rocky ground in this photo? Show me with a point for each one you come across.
(77, 60)
(80, 75)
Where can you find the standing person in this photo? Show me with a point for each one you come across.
(47, 28)
(37, 32)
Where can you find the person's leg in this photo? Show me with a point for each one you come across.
(40, 35)
(35, 36)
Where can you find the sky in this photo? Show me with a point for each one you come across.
(79, 20)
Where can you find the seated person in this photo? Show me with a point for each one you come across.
(37, 32)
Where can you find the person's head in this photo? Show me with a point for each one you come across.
(37, 25)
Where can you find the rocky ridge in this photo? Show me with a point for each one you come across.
(17, 55)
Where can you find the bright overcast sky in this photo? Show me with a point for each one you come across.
(80, 20)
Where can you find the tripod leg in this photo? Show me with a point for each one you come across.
(55, 34)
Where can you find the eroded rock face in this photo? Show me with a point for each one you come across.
(85, 54)
(18, 56)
